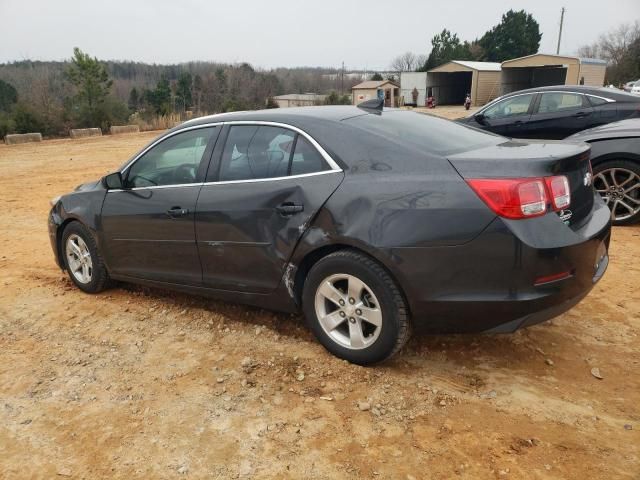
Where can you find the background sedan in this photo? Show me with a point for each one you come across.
(554, 112)
(615, 156)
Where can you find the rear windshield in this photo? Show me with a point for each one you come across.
(425, 132)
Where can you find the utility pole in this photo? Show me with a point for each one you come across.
(342, 80)
(560, 33)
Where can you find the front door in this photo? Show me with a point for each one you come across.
(148, 226)
(269, 185)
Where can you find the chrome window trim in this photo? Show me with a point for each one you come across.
(256, 180)
(226, 182)
(608, 100)
(330, 161)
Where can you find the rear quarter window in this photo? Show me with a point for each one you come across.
(425, 132)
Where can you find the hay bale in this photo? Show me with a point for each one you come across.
(16, 138)
(118, 129)
(85, 132)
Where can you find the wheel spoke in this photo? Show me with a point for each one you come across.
(629, 178)
(331, 321)
(328, 291)
(85, 272)
(634, 200)
(372, 315)
(612, 174)
(76, 248)
(633, 187)
(604, 180)
(356, 337)
(625, 205)
(355, 288)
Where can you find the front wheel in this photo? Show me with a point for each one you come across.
(618, 183)
(355, 309)
(82, 259)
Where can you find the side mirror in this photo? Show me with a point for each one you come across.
(480, 118)
(113, 181)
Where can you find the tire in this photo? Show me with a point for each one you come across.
(625, 194)
(373, 290)
(97, 279)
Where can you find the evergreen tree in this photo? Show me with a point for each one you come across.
(8, 96)
(446, 46)
(93, 84)
(184, 98)
(134, 99)
(160, 98)
(517, 35)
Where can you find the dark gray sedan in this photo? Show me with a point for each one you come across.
(365, 220)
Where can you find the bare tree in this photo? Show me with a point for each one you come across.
(613, 45)
(407, 62)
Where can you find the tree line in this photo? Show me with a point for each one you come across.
(53, 97)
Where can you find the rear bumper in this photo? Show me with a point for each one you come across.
(488, 284)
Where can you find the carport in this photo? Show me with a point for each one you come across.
(450, 83)
(542, 70)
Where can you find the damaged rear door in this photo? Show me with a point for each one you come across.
(265, 185)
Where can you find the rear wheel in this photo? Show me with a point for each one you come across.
(618, 182)
(82, 260)
(355, 309)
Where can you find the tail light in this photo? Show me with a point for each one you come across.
(560, 193)
(518, 198)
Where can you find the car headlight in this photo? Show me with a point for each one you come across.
(55, 200)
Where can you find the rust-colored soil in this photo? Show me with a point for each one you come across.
(137, 383)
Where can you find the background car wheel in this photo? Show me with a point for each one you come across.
(355, 309)
(618, 182)
(82, 259)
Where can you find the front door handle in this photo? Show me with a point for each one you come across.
(174, 212)
(582, 114)
(289, 208)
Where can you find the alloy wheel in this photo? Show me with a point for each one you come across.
(79, 259)
(620, 190)
(348, 311)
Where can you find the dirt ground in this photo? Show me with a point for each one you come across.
(140, 383)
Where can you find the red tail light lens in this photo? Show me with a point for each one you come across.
(512, 197)
(559, 190)
(517, 198)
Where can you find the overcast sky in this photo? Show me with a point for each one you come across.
(271, 33)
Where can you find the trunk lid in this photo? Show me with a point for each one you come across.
(531, 159)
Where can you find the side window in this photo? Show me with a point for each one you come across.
(173, 161)
(596, 101)
(509, 107)
(253, 152)
(306, 158)
(559, 101)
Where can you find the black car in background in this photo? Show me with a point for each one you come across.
(615, 157)
(554, 112)
(365, 220)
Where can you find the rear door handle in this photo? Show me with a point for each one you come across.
(174, 212)
(289, 208)
(581, 114)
